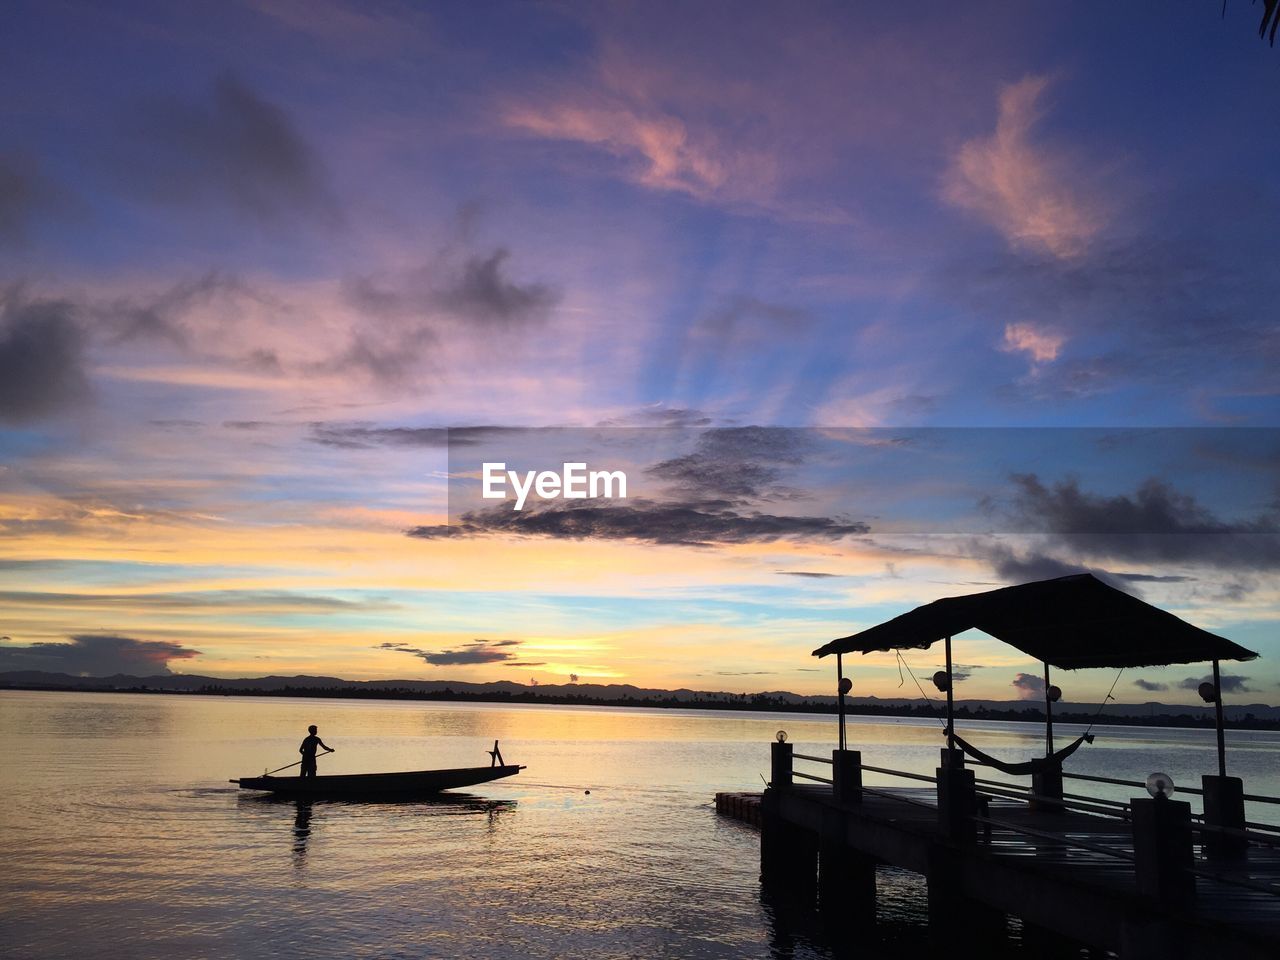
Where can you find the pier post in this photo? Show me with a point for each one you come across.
(1223, 807)
(846, 777)
(957, 800)
(1047, 783)
(1162, 849)
(846, 877)
(780, 763)
(953, 917)
(788, 854)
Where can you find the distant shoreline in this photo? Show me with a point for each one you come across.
(751, 703)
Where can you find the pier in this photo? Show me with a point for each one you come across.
(1143, 880)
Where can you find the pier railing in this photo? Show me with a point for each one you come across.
(1160, 842)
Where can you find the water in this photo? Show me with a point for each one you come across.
(122, 838)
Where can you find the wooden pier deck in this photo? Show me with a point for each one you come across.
(1069, 876)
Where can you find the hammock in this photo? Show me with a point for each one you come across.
(1037, 765)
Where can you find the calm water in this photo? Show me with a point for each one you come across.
(121, 837)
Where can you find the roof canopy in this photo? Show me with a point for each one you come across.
(1069, 623)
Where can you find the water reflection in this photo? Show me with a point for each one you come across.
(445, 804)
(301, 830)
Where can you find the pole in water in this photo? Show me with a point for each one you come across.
(1048, 714)
(840, 689)
(951, 712)
(1217, 703)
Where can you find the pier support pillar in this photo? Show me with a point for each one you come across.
(846, 777)
(1047, 783)
(846, 877)
(1162, 849)
(1224, 807)
(957, 800)
(788, 854)
(780, 764)
(953, 917)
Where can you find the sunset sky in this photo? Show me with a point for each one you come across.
(875, 304)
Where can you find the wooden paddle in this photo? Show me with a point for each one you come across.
(267, 773)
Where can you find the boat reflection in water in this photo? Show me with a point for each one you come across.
(309, 815)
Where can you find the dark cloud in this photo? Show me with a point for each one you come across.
(26, 195)
(417, 309)
(476, 651)
(1157, 524)
(232, 149)
(807, 573)
(247, 425)
(737, 462)
(525, 663)
(481, 293)
(1031, 564)
(42, 357)
(163, 317)
(1151, 686)
(96, 655)
(476, 293)
(1025, 567)
(1029, 686)
(1231, 683)
(660, 417)
(687, 524)
(368, 437)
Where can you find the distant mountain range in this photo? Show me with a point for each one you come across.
(622, 694)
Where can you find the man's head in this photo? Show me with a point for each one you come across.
(311, 729)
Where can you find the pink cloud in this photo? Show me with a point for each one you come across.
(1041, 345)
(661, 151)
(1027, 190)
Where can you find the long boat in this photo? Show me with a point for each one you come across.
(377, 785)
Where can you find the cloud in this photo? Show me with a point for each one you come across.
(420, 310)
(1150, 686)
(658, 151)
(659, 416)
(364, 437)
(233, 149)
(806, 573)
(481, 293)
(42, 362)
(1156, 524)
(96, 655)
(474, 652)
(1029, 686)
(1230, 682)
(645, 521)
(1024, 189)
(368, 438)
(1180, 302)
(1042, 346)
(736, 462)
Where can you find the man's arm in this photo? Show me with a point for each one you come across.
(323, 744)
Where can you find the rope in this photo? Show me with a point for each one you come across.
(902, 661)
(1105, 701)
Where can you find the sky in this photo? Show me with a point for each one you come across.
(873, 304)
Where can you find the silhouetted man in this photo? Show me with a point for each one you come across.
(308, 751)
